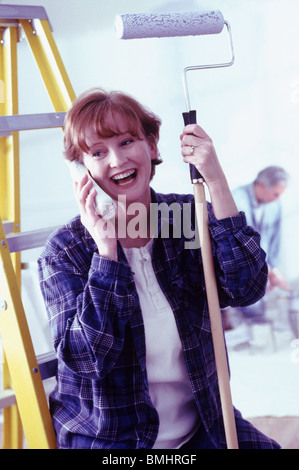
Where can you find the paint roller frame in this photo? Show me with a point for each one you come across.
(208, 264)
(208, 66)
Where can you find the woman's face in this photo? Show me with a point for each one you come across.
(121, 164)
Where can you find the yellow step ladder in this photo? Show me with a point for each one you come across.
(27, 371)
(20, 370)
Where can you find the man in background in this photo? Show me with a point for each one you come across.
(260, 200)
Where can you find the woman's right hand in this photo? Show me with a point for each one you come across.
(102, 230)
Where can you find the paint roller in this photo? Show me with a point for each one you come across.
(153, 25)
(150, 25)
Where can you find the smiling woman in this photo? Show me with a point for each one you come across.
(129, 315)
(121, 162)
(95, 112)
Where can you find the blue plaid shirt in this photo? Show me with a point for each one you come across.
(268, 224)
(102, 397)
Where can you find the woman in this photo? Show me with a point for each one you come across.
(127, 308)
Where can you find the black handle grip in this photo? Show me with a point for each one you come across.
(190, 118)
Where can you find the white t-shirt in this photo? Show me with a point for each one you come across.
(169, 385)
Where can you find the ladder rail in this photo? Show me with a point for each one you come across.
(49, 62)
(19, 354)
(21, 358)
(10, 198)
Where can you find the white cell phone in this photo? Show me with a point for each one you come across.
(105, 206)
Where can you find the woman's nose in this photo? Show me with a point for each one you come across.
(116, 158)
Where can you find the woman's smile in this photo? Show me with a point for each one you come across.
(125, 178)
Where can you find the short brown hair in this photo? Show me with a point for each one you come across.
(90, 112)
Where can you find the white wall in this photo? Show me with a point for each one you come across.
(250, 110)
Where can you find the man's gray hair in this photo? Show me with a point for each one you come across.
(272, 175)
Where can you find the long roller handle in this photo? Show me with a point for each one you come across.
(213, 301)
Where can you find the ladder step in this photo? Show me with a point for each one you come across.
(7, 398)
(47, 364)
(8, 226)
(16, 12)
(24, 122)
(28, 240)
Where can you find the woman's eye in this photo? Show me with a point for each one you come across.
(127, 142)
(98, 153)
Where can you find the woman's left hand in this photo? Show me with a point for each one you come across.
(198, 149)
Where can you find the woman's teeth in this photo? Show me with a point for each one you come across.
(124, 178)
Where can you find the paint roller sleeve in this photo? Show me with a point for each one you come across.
(134, 26)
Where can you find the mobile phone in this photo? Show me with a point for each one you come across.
(105, 206)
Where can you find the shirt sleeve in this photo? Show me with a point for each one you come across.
(88, 306)
(240, 266)
(243, 200)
